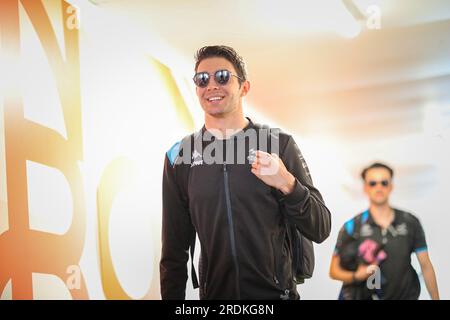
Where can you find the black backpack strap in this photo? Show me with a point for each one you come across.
(353, 227)
(193, 272)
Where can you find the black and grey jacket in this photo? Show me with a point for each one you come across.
(238, 219)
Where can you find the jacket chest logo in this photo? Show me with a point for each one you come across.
(402, 230)
(366, 230)
(197, 159)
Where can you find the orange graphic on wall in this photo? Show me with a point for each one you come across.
(24, 251)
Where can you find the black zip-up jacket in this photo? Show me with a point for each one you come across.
(242, 231)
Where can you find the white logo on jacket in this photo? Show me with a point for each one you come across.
(197, 159)
(366, 230)
(402, 230)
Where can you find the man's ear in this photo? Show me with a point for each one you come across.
(245, 88)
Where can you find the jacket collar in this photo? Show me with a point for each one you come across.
(238, 135)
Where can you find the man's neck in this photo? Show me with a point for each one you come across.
(227, 125)
(382, 213)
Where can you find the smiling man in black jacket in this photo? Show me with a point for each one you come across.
(235, 183)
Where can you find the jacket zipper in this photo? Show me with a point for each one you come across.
(231, 227)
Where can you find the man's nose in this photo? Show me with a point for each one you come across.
(212, 85)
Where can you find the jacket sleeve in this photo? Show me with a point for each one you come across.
(177, 232)
(304, 206)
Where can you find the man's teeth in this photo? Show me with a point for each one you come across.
(214, 98)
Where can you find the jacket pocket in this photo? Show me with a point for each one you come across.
(282, 270)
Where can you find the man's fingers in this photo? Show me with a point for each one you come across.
(266, 164)
(260, 153)
(255, 171)
(260, 163)
(263, 158)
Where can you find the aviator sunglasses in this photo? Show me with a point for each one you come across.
(201, 79)
(373, 183)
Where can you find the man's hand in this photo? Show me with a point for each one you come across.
(272, 171)
(364, 271)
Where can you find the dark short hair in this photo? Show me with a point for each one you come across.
(376, 165)
(224, 52)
